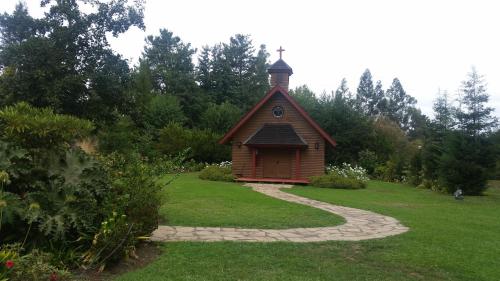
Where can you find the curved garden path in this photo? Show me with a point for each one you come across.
(360, 225)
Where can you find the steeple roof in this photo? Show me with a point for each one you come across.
(280, 66)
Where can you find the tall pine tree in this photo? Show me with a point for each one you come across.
(170, 61)
(399, 105)
(365, 93)
(474, 117)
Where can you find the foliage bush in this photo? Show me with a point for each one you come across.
(220, 117)
(125, 137)
(34, 265)
(8, 255)
(203, 143)
(217, 172)
(168, 165)
(113, 241)
(161, 110)
(31, 127)
(392, 170)
(336, 181)
(368, 160)
(348, 171)
(344, 177)
(56, 197)
(133, 210)
(137, 191)
(54, 192)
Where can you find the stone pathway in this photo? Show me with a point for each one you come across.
(360, 225)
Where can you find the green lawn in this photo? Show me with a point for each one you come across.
(448, 239)
(194, 202)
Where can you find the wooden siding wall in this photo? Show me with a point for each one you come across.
(280, 79)
(312, 159)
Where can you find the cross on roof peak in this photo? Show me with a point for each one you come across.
(280, 50)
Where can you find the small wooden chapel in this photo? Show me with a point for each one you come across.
(277, 141)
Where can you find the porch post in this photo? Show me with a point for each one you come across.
(297, 163)
(254, 161)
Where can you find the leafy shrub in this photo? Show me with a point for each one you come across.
(392, 170)
(164, 164)
(113, 241)
(217, 172)
(137, 191)
(8, 255)
(134, 206)
(31, 127)
(124, 137)
(56, 197)
(220, 118)
(162, 110)
(368, 160)
(55, 193)
(173, 138)
(35, 265)
(203, 143)
(348, 171)
(345, 177)
(336, 181)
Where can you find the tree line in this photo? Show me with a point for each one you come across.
(384, 131)
(167, 103)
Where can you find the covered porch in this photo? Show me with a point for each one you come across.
(276, 150)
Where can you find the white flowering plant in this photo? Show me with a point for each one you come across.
(225, 164)
(218, 172)
(346, 170)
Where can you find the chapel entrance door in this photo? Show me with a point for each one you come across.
(277, 163)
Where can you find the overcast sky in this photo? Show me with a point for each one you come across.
(426, 44)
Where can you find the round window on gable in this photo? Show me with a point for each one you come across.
(278, 111)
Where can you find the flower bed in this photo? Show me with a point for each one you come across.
(344, 177)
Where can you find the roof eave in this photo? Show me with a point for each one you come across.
(228, 136)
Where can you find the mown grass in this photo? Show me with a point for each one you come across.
(448, 240)
(195, 202)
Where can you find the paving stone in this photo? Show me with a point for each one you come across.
(360, 225)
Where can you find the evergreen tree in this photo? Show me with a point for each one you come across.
(366, 93)
(351, 128)
(495, 139)
(232, 72)
(443, 111)
(380, 103)
(220, 118)
(260, 77)
(343, 90)
(170, 62)
(474, 117)
(162, 110)
(417, 125)
(307, 99)
(399, 104)
(466, 163)
(214, 74)
(204, 69)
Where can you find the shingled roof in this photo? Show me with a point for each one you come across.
(276, 134)
(280, 66)
(276, 91)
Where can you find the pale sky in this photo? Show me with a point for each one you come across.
(427, 44)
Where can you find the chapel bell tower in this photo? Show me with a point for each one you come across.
(280, 72)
